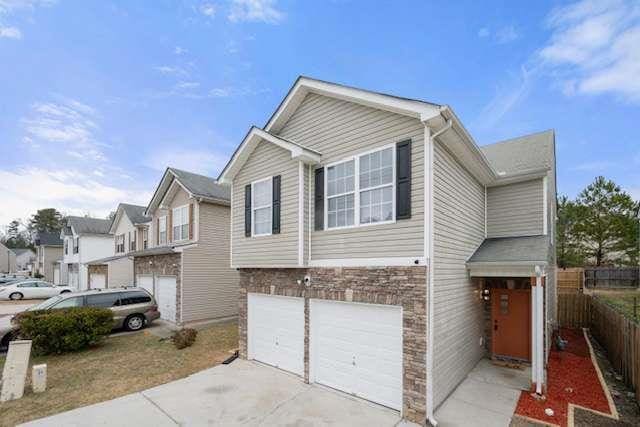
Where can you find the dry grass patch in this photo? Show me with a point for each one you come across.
(119, 366)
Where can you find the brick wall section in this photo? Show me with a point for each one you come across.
(405, 286)
(161, 265)
(98, 269)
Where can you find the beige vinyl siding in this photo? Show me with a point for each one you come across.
(267, 160)
(458, 231)
(515, 209)
(210, 287)
(120, 272)
(50, 254)
(340, 129)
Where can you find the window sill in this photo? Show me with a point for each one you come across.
(348, 227)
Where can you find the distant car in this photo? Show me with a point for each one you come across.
(31, 289)
(133, 308)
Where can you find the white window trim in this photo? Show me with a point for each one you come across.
(357, 190)
(254, 208)
(173, 224)
(166, 235)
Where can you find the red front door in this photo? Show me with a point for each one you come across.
(511, 323)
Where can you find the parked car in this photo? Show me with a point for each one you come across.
(31, 289)
(133, 308)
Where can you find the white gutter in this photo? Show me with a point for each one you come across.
(429, 249)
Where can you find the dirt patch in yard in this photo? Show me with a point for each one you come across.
(121, 365)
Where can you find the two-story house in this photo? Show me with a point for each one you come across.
(186, 263)
(373, 235)
(7, 260)
(130, 231)
(84, 240)
(49, 257)
(25, 259)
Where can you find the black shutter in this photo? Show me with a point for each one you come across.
(275, 218)
(247, 210)
(403, 180)
(318, 212)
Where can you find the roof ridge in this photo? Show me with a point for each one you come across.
(171, 168)
(507, 141)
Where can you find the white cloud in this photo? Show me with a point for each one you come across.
(484, 32)
(170, 70)
(10, 33)
(594, 43)
(194, 160)
(73, 192)
(188, 85)
(208, 9)
(507, 34)
(69, 123)
(179, 50)
(220, 92)
(255, 11)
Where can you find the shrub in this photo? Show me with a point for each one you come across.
(184, 338)
(64, 330)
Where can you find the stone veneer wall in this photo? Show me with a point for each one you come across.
(161, 265)
(98, 269)
(405, 286)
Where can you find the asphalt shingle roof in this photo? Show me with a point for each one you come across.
(527, 152)
(204, 186)
(512, 249)
(135, 213)
(85, 225)
(46, 238)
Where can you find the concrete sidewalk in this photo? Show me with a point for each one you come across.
(487, 397)
(243, 393)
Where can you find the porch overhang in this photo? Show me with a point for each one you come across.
(522, 256)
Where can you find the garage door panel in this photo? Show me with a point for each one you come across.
(276, 331)
(357, 348)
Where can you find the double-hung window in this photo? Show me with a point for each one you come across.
(261, 207)
(341, 194)
(181, 223)
(376, 186)
(120, 243)
(361, 191)
(162, 230)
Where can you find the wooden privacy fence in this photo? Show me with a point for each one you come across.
(570, 280)
(612, 277)
(618, 334)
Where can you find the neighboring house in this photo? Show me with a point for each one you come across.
(7, 260)
(370, 230)
(130, 230)
(186, 264)
(84, 240)
(25, 258)
(49, 256)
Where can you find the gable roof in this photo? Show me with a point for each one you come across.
(525, 153)
(86, 225)
(251, 141)
(198, 186)
(135, 214)
(47, 238)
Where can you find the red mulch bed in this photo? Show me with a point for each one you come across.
(571, 378)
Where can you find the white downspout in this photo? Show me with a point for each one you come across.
(429, 249)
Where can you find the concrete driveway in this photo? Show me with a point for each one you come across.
(243, 393)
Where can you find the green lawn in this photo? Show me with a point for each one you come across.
(624, 302)
(119, 366)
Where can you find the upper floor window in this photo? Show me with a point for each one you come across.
(76, 245)
(360, 191)
(261, 207)
(145, 238)
(66, 247)
(162, 230)
(132, 240)
(341, 194)
(181, 223)
(120, 243)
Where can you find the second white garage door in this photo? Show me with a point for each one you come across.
(357, 348)
(97, 281)
(166, 297)
(145, 281)
(276, 331)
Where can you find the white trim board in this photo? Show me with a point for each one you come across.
(369, 262)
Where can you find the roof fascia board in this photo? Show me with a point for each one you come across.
(249, 144)
(170, 189)
(304, 85)
(119, 213)
(525, 175)
(156, 194)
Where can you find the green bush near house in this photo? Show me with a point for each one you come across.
(184, 338)
(65, 330)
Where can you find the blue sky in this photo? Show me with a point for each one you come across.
(97, 98)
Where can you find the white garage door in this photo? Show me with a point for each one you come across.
(166, 297)
(145, 282)
(97, 281)
(276, 331)
(56, 275)
(357, 348)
